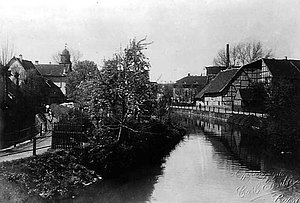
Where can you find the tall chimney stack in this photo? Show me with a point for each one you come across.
(21, 57)
(227, 56)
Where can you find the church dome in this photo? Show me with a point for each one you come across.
(65, 52)
(65, 57)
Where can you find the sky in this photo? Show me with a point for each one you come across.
(186, 34)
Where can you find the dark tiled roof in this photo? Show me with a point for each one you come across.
(213, 70)
(27, 64)
(192, 80)
(55, 70)
(54, 91)
(219, 83)
(283, 68)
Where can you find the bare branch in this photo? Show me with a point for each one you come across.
(7, 52)
(243, 53)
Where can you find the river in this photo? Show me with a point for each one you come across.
(214, 163)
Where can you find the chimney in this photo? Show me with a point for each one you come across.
(286, 58)
(21, 57)
(189, 74)
(49, 62)
(227, 56)
(36, 62)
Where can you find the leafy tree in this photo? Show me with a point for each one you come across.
(242, 53)
(121, 89)
(257, 96)
(165, 94)
(82, 71)
(284, 113)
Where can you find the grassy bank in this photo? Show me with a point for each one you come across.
(54, 175)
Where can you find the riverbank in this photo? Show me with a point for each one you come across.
(283, 139)
(246, 121)
(54, 175)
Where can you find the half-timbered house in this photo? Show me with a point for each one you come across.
(219, 91)
(232, 88)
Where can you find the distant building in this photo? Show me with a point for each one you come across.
(185, 89)
(57, 73)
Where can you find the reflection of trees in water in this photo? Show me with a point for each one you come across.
(135, 186)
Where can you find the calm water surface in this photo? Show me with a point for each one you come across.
(214, 163)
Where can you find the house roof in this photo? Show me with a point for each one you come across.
(283, 67)
(25, 63)
(219, 83)
(192, 80)
(54, 70)
(214, 70)
(278, 67)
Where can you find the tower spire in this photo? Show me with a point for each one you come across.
(65, 57)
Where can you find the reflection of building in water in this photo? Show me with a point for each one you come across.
(241, 143)
(240, 152)
(214, 128)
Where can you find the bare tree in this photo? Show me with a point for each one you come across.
(75, 55)
(56, 57)
(6, 53)
(242, 53)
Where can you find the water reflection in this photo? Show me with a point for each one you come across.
(278, 175)
(135, 186)
(215, 163)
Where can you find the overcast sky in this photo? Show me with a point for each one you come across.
(187, 34)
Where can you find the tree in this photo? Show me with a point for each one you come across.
(242, 53)
(125, 81)
(6, 53)
(165, 100)
(82, 70)
(121, 88)
(283, 112)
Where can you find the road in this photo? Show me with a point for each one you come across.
(25, 149)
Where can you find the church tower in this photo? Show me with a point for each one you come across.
(65, 59)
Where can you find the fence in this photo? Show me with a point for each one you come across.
(19, 136)
(219, 111)
(33, 135)
(67, 136)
